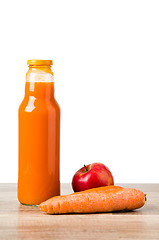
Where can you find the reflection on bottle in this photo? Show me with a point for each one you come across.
(30, 107)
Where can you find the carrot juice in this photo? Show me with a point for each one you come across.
(39, 136)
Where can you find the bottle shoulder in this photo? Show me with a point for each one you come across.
(57, 104)
(32, 104)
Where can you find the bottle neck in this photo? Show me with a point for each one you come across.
(39, 82)
(40, 89)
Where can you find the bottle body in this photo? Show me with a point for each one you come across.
(39, 143)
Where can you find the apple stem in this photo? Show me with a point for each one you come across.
(85, 167)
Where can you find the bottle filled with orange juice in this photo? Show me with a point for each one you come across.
(39, 136)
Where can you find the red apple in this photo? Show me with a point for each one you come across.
(92, 176)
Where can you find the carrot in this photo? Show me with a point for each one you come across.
(102, 199)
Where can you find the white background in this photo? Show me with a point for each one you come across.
(106, 66)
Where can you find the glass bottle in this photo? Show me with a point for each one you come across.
(39, 136)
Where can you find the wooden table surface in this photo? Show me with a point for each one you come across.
(27, 222)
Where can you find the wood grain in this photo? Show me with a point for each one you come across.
(27, 222)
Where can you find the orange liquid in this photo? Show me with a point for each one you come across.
(39, 144)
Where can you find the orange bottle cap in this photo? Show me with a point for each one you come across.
(36, 62)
